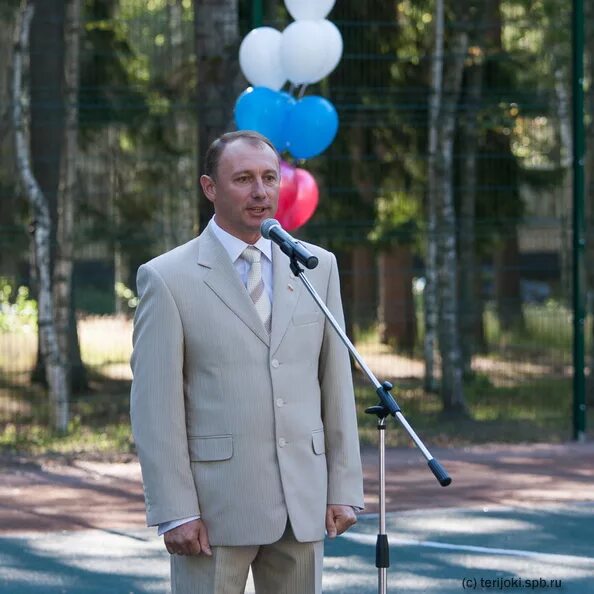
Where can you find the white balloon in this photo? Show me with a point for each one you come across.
(303, 52)
(260, 58)
(334, 46)
(311, 10)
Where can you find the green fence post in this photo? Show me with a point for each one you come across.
(579, 380)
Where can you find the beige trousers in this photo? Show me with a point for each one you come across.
(284, 567)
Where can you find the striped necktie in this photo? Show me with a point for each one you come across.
(255, 285)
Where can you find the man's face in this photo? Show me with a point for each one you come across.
(245, 191)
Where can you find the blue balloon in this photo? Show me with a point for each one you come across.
(311, 127)
(265, 111)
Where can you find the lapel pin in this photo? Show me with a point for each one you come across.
(291, 287)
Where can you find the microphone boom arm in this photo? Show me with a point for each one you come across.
(387, 406)
(388, 403)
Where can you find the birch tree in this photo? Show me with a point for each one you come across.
(55, 357)
(449, 331)
(67, 185)
(430, 299)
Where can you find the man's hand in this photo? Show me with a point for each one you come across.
(339, 518)
(188, 539)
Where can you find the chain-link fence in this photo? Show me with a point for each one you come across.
(513, 225)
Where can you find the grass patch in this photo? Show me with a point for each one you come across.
(520, 393)
(547, 327)
(538, 410)
(99, 425)
(81, 440)
(99, 417)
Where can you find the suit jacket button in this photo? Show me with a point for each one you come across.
(280, 402)
(275, 363)
(282, 442)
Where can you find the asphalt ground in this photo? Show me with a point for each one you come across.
(515, 519)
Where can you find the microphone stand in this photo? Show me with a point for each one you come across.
(386, 406)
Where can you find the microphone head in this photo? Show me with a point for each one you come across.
(266, 226)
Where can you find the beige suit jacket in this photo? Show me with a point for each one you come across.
(243, 428)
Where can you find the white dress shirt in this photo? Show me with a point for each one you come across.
(234, 247)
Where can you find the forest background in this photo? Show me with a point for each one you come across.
(447, 196)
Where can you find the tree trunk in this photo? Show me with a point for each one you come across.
(469, 138)
(359, 145)
(589, 21)
(563, 104)
(121, 271)
(345, 269)
(65, 318)
(506, 257)
(396, 305)
(47, 120)
(364, 282)
(6, 37)
(55, 357)
(9, 254)
(449, 331)
(216, 31)
(47, 109)
(507, 282)
(182, 207)
(430, 298)
(51, 131)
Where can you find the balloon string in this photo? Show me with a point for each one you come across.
(302, 91)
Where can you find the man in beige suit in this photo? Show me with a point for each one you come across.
(242, 402)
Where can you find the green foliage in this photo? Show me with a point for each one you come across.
(530, 410)
(131, 9)
(130, 82)
(112, 74)
(8, 9)
(397, 219)
(380, 90)
(126, 294)
(99, 424)
(80, 439)
(18, 312)
(547, 327)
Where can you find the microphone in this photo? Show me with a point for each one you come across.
(271, 229)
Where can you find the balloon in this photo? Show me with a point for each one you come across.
(265, 111)
(309, 9)
(305, 204)
(303, 51)
(334, 48)
(288, 188)
(311, 127)
(260, 58)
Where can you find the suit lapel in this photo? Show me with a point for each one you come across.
(286, 289)
(223, 279)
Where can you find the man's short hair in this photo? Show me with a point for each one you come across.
(215, 150)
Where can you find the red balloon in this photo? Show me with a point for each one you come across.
(305, 203)
(288, 190)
